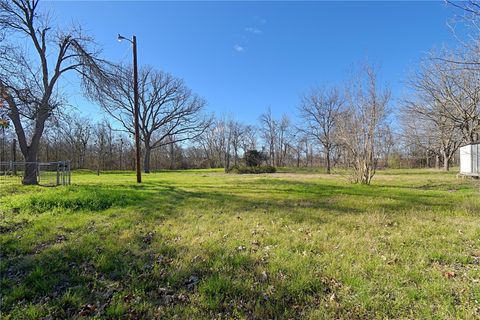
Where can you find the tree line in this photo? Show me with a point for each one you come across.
(354, 127)
(338, 128)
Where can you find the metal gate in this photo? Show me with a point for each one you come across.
(48, 173)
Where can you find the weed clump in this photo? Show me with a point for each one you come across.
(252, 170)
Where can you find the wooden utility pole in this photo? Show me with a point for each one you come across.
(135, 100)
(135, 107)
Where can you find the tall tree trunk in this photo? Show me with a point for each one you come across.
(272, 155)
(146, 159)
(30, 176)
(30, 152)
(327, 155)
(446, 161)
(446, 165)
(227, 160)
(311, 156)
(172, 156)
(99, 163)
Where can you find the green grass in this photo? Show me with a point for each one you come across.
(201, 244)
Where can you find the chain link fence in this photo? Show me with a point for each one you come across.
(48, 173)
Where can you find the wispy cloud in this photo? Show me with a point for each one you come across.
(253, 30)
(238, 48)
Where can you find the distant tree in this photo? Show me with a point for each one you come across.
(77, 131)
(214, 141)
(249, 138)
(237, 131)
(103, 142)
(386, 143)
(297, 146)
(4, 124)
(169, 112)
(442, 109)
(30, 71)
(320, 110)
(284, 136)
(269, 131)
(364, 116)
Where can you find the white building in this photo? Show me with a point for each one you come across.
(470, 160)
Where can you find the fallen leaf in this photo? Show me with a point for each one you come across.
(87, 310)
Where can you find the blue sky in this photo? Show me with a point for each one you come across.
(245, 56)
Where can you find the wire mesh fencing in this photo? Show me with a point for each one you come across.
(47, 173)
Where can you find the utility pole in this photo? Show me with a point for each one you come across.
(135, 99)
(135, 108)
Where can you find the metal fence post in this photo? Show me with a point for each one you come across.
(63, 173)
(69, 173)
(58, 174)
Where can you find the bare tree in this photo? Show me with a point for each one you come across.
(269, 131)
(237, 131)
(320, 110)
(366, 109)
(77, 131)
(249, 138)
(385, 142)
(297, 146)
(28, 82)
(461, 91)
(101, 141)
(214, 142)
(4, 125)
(442, 109)
(284, 136)
(169, 112)
(434, 133)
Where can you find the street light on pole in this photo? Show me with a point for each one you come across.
(135, 108)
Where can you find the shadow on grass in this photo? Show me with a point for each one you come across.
(99, 274)
(291, 195)
(298, 201)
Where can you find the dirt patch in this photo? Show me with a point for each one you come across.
(42, 246)
(14, 226)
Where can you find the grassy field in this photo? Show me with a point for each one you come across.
(204, 245)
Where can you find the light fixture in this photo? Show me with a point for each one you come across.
(120, 38)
